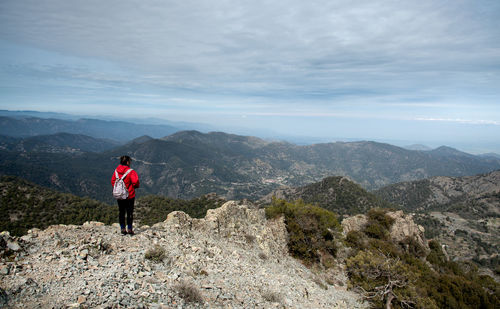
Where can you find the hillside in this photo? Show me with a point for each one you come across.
(461, 212)
(233, 257)
(190, 164)
(438, 192)
(337, 194)
(25, 205)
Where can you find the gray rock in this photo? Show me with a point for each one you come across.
(14, 246)
(4, 270)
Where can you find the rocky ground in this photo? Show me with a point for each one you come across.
(233, 258)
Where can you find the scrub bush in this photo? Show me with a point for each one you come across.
(311, 229)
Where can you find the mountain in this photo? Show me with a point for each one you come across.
(36, 114)
(446, 151)
(181, 125)
(141, 139)
(218, 140)
(337, 194)
(190, 164)
(490, 155)
(461, 212)
(439, 192)
(419, 147)
(57, 143)
(115, 130)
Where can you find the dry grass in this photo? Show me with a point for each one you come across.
(189, 292)
(272, 297)
(250, 239)
(156, 254)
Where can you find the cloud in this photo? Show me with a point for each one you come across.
(257, 46)
(385, 60)
(464, 121)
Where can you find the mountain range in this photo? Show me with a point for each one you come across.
(115, 130)
(189, 164)
(463, 213)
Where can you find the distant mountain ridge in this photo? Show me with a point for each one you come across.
(418, 147)
(115, 130)
(490, 155)
(189, 164)
(180, 125)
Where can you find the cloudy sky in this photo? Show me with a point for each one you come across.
(409, 71)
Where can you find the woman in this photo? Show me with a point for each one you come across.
(126, 206)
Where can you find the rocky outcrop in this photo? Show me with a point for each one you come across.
(232, 258)
(402, 229)
(354, 223)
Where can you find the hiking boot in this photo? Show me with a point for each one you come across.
(131, 232)
(124, 232)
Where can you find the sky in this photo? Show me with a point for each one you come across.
(403, 71)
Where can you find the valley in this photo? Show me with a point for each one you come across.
(188, 164)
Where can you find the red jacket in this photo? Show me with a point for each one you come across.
(131, 181)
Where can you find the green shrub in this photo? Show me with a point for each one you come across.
(311, 229)
(380, 215)
(383, 268)
(383, 246)
(356, 239)
(436, 256)
(411, 246)
(376, 230)
(384, 279)
(379, 224)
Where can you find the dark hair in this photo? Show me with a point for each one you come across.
(124, 160)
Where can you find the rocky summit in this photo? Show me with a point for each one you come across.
(232, 258)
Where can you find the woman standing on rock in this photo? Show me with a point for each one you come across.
(126, 201)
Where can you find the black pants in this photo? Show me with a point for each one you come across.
(126, 206)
